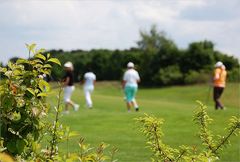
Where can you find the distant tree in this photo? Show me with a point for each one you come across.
(151, 42)
(100, 60)
(157, 58)
(116, 65)
(158, 51)
(229, 61)
(168, 76)
(199, 55)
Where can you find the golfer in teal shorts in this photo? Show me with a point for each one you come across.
(130, 85)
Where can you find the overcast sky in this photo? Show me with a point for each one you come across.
(115, 24)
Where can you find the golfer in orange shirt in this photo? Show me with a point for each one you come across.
(219, 81)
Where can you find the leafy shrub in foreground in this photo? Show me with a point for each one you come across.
(22, 102)
(24, 111)
(151, 128)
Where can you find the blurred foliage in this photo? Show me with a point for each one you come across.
(154, 53)
(22, 102)
(151, 127)
(25, 121)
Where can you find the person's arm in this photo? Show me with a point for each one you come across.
(66, 81)
(216, 74)
(83, 81)
(94, 80)
(124, 81)
(138, 78)
(123, 84)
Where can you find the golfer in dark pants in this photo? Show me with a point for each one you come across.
(219, 78)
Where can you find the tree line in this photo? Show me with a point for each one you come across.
(157, 58)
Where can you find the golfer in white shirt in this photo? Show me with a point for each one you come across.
(89, 81)
(130, 85)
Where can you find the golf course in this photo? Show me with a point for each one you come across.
(110, 122)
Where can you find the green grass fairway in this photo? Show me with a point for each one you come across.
(110, 122)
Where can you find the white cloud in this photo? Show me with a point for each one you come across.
(114, 24)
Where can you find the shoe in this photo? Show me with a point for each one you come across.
(224, 108)
(76, 107)
(136, 109)
(65, 112)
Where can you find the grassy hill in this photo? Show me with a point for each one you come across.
(110, 122)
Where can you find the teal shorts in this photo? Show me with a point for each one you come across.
(130, 93)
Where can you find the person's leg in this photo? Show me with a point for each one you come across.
(74, 105)
(215, 97)
(220, 91)
(217, 94)
(129, 106)
(88, 98)
(134, 102)
(70, 103)
(67, 98)
(127, 91)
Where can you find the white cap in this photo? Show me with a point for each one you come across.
(219, 64)
(68, 65)
(130, 65)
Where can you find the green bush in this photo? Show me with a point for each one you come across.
(151, 127)
(22, 103)
(24, 121)
(168, 76)
(234, 75)
(193, 77)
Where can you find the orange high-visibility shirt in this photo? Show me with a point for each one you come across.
(220, 77)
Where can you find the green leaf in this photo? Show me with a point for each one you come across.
(10, 64)
(31, 47)
(47, 66)
(40, 56)
(36, 135)
(48, 55)
(38, 61)
(3, 70)
(38, 66)
(6, 102)
(17, 72)
(43, 85)
(43, 94)
(22, 61)
(16, 116)
(47, 72)
(11, 146)
(54, 60)
(42, 50)
(31, 91)
(73, 134)
(20, 144)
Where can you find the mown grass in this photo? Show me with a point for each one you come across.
(109, 121)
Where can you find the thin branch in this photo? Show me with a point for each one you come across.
(180, 156)
(224, 140)
(157, 142)
(54, 138)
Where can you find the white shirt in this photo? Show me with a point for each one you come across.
(89, 78)
(131, 77)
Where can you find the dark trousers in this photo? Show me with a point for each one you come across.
(217, 92)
